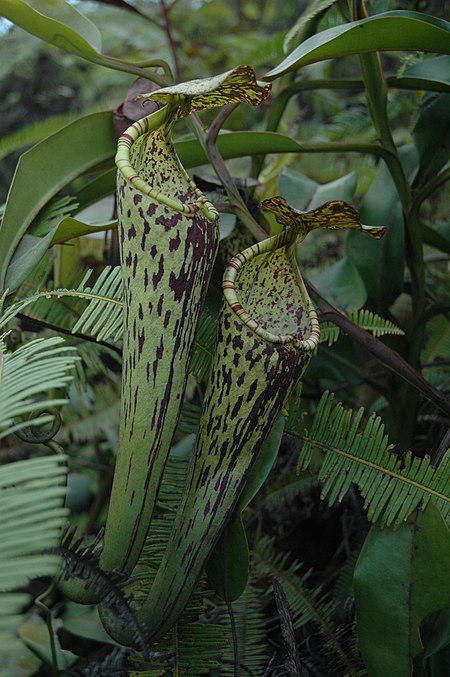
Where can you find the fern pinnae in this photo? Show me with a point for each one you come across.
(103, 315)
(391, 490)
(365, 319)
(307, 605)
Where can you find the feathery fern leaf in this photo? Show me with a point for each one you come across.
(376, 325)
(250, 635)
(27, 374)
(307, 605)
(31, 507)
(392, 488)
(190, 418)
(100, 418)
(101, 318)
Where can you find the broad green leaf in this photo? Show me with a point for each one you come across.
(84, 621)
(438, 339)
(304, 193)
(396, 30)
(399, 579)
(432, 134)
(34, 132)
(342, 284)
(56, 22)
(70, 227)
(228, 566)
(431, 73)
(381, 206)
(30, 251)
(73, 150)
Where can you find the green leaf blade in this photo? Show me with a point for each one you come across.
(396, 30)
(56, 22)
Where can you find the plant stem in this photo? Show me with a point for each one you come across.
(385, 355)
(218, 163)
(168, 30)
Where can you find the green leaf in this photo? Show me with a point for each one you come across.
(381, 206)
(56, 22)
(35, 635)
(431, 73)
(342, 284)
(34, 132)
(304, 193)
(308, 19)
(396, 30)
(73, 150)
(26, 257)
(70, 227)
(228, 565)
(400, 578)
(432, 133)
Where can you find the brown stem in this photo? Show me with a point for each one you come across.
(222, 172)
(168, 29)
(33, 323)
(385, 355)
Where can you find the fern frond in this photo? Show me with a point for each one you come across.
(190, 418)
(376, 325)
(307, 604)
(32, 514)
(251, 635)
(27, 374)
(102, 318)
(392, 488)
(99, 419)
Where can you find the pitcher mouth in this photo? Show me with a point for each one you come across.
(153, 123)
(298, 339)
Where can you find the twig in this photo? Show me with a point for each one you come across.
(385, 355)
(222, 172)
(41, 324)
(168, 30)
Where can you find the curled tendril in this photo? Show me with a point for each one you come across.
(34, 434)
